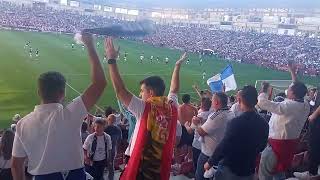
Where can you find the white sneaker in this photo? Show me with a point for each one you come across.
(210, 173)
(302, 175)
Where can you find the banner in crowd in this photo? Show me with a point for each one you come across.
(226, 78)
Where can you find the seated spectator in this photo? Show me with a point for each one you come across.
(245, 137)
(49, 137)
(186, 113)
(212, 130)
(84, 131)
(287, 120)
(115, 132)
(5, 155)
(314, 148)
(97, 150)
(203, 114)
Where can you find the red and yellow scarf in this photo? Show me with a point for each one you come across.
(152, 154)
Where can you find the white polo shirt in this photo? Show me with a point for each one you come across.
(288, 117)
(50, 138)
(137, 106)
(215, 127)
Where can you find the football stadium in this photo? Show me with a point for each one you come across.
(244, 61)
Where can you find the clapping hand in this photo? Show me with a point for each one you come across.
(111, 52)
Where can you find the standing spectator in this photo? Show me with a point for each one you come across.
(287, 120)
(203, 114)
(186, 112)
(54, 148)
(235, 108)
(116, 135)
(97, 150)
(84, 131)
(245, 137)
(314, 148)
(212, 130)
(152, 143)
(130, 117)
(5, 155)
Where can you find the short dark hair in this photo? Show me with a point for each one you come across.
(223, 98)
(155, 83)
(109, 110)
(99, 121)
(232, 99)
(84, 126)
(206, 103)
(299, 89)
(249, 96)
(51, 83)
(6, 144)
(186, 98)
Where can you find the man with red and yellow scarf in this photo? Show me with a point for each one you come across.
(153, 140)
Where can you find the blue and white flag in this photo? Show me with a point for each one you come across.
(226, 77)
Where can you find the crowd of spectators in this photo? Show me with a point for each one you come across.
(267, 50)
(228, 137)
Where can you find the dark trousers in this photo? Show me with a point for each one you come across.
(186, 138)
(111, 165)
(200, 166)
(5, 174)
(77, 174)
(314, 146)
(195, 155)
(97, 169)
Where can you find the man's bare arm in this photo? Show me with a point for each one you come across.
(121, 91)
(293, 71)
(98, 80)
(17, 168)
(175, 81)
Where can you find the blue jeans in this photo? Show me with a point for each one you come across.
(77, 174)
(111, 165)
(200, 169)
(224, 173)
(267, 163)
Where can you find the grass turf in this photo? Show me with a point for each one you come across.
(19, 72)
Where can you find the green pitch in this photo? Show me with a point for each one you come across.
(19, 72)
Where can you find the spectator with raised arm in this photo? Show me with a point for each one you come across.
(285, 125)
(54, 149)
(153, 140)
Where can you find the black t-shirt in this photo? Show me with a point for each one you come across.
(245, 137)
(115, 133)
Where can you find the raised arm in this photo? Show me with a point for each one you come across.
(98, 80)
(293, 71)
(315, 114)
(175, 81)
(196, 88)
(121, 91)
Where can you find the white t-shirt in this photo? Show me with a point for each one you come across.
(137, 106)
(215, 127)
(235, 108)
(100, 153)
(288, 117)
(203, 115)
(50, 138)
